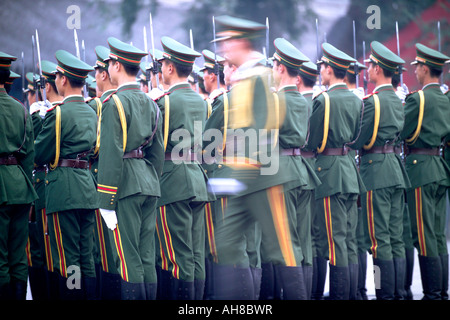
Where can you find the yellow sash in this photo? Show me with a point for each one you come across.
(414, 137)
(326, 123)
(376, 123)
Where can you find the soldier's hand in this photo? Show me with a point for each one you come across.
(155, 94)
(444, 88)
(110, 218)
(402, 92)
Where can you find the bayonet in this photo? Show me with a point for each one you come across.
(147, 69)
(364, 71)
(439, 48)
(216, 64)
(354, 55)
(24, 96)
(41, 77)
(318, 48)
(400, 71)
(155, 63)
(191, 38)
(35, 84)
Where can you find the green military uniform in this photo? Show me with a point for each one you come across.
(128, 176)
(67, 136)
(39, 242)
(429, 175)
(261, 200)
(337, 195)
(108, 277)
(384, 177)
(17, 192)
(181, 219)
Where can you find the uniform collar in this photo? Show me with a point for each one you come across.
(73, 97)
(288, 87)
(336, 85)
(381, 86)
(431, 84)
(179, 84)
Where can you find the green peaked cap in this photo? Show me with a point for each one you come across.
(384, 57)
(12, 76)
(430, 57)
(5, 60)
(102, 54)
(210, 60)
(232, 27)
(335, 57)
(178, 52)
(309, 70)
(71, 66)
(351, 68)
(125, 52)
(49, 70)
(287, 54)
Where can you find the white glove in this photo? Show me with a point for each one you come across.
(318, 89)
(155, 94)
(44, 107)
(110, 218)
(444, 88)
(35, 106)
(402, 92)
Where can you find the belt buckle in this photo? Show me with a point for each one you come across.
(344, 150)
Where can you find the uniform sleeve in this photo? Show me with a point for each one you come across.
(411, 115)
(316, 123)
(155, 153)
(45, 143)
(27, 161)
(110, 159)
(367, 125)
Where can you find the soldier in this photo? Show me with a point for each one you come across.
(12, 76)
(334, 125)
(427, 170)
(142, 79)
(66, 139)
(16, 165)
(181, 219)
(217, 115)
(130, 164)
(350, 79)
(108, 277)
(382, 204)
(305, 83)
(258, 194)
(292, 138)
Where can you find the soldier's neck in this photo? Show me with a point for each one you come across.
(69, 91)
(287, 81)
(429, 80)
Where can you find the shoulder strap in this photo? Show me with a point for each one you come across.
(154, 129)
(99, 121)
(277, 117)
(123, 119)
(225, 122)
(416, 133)
(166, 120)
(208, 101)
(58, 137)
(326, 122)
(376, 123)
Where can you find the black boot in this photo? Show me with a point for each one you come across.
(267, 290)
(150, 291)
(233, 283)
(339, 283)
(400, 277)
(292, 282)
(256, 276)
(89, 286)
(53, 285)
(353, 271)
(308, 278)
(209, 283)
(431, 275)
(111, 286)
(199, 289)
(362, 276)
(18, 290)
(66, 293)
(444, 264)
(5, 292)
(38, 283)
(132, 291)
(384, 275)
(409, 271)
(319, 278)
(182, 290)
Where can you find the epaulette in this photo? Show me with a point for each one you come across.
(216, 93)
(317, 94)
(411, 93)
(369, 95)
(56, 105)
(109, 97)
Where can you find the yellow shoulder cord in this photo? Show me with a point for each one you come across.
(376, 123)
(123, 120)
(225, 122)
(58, 137)
(277, 117)
(209, 108)
(99, 121)
(166, 120)
(414, 137)
(326, 123)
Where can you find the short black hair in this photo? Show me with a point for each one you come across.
(308, 82)
(395, 80)
(182, 70)
(76, 83)
(351, 77)
(292, 72)
(338, 73)
(435, 73)
(131, 70)
(388, 73)
(4, 76)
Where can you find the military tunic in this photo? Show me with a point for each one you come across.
(16, 191)
(336, 196)
(429, 174)
(130, 186)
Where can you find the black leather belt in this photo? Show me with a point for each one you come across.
(134, 154)
(9, 160)
(73, 163)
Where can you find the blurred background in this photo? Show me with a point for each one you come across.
(300, 21)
